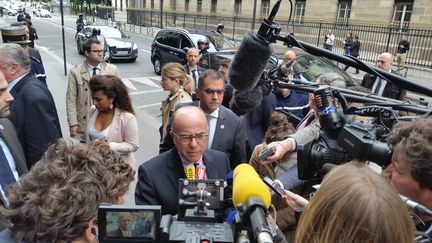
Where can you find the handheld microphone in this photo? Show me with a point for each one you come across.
(252, 198)
(416, 206)
(190, 172)
(200, 172)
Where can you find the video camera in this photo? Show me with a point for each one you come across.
(341, 141)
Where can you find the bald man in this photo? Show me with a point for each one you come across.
(283, 69)
(380, 86)
(158, 178)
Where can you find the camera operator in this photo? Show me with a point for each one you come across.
(353, 204)
(57, 201)
(308, 129)
(411, 168)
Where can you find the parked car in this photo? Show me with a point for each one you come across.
(9, 11)
(43, 13)
(172, 44)
(118, 43)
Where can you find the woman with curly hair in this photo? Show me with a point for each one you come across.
(111, 119)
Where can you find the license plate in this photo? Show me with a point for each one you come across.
(122, 52)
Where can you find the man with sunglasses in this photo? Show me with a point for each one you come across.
(78, 98)
(226, 130)
(158, 178)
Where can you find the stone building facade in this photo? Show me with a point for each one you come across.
(379, 11)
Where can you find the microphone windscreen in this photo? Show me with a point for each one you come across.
(245, 101)
(249, 61)
(247, 184)
(190, 172)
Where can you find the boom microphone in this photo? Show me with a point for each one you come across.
(249, 61)
(416, 206)
(245, 101)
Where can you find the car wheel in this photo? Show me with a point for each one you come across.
(157, 65)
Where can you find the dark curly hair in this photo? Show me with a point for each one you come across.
(415, 138)
(278, 130)
(59, 196)
(113, 87)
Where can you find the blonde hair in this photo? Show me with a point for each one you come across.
(173, 70)
(354, 205)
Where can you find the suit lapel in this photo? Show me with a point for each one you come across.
(175, 168)
(219, 130)
(85, 73)
(13, 148)
(210, 166)
(18, 86)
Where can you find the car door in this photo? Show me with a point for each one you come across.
(169, 47)
(185, 42)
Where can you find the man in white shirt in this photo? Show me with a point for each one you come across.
(329, 40)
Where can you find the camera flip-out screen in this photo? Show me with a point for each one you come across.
(129, 224)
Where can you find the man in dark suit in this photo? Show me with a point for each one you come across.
(192, 68)
(12, 161)
(158, 178)
(226, 129)
(382, 87)
(33, 112)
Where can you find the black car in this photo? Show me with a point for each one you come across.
(118, 44)
(172, 44)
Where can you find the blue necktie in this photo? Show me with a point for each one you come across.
(6, 176)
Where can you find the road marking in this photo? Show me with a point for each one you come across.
(146, 92)
(129, 84)
(53, 55)
(145, 51)
(148, 105)
(147, 80)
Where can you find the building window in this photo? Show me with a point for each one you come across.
(402, 12)
(144, 3)
(265, 7)
(186, 7)
(152, 4)
(299, 11)
(199, 6)
(237, 7)
(344, 10)
(213, 6)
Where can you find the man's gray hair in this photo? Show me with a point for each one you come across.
(14, 54)
(332, 79)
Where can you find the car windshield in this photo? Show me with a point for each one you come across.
(313, 67)
(217, 42)
(110, 33)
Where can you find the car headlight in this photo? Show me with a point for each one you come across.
(135, 46)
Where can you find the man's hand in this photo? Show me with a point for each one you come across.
(73, 130)
(280, 149)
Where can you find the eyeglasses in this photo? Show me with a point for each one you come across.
(96, 51)
(187, 138)
(212, 91)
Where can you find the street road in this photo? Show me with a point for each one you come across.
(138, 76)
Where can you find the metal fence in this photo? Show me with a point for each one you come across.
(374, 38)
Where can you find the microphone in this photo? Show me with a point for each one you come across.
(190, 172)
(247, 183)
(252, 198)
(200, 172)
(416, 206)
(249, 61)
(245, 101)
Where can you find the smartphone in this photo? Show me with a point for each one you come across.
(274, 186)
(269, 151)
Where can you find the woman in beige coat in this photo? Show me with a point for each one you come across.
(111, 119)
(180, 85)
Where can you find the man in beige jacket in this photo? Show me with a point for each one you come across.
(78, 97)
